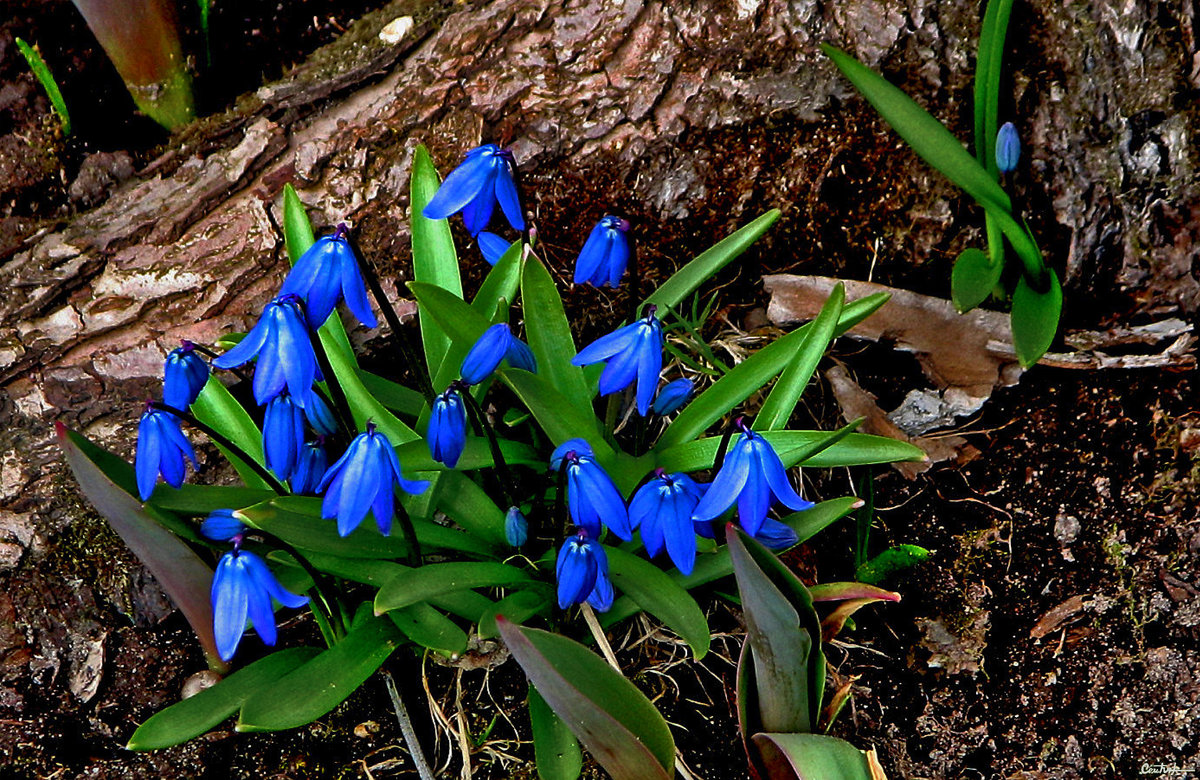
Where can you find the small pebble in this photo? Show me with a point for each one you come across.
(199, 681)
(394, 31)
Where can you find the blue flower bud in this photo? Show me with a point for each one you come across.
(185, 373)
(672, 397)
(516, 527)
(221, 525)
(582, 572)
(495, 345)
(310, 468)
(282, 435)
(605, 254)
(1008, 148)
(447, 432)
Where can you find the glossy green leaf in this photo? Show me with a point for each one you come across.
(185, 578)
(435, 579)
(819, 449)
(303, 695)
(204, 711)
(472, 509)
(501, 283)
(890, 562)
(811, 757)
(973, 279)
(686, 280)
(655, 592)
(549, 335)
(555, 750)
(434, 259)
(477, 454)
(41, 72)
(613, 719)
(395, 397)
(749, 376)
(1035, 318)
(199, 500)
(428, 628)
(557, 416)
(988, 69)
(777, 409)
(454, 316)
(297, 230)
(518, 607)
(218, 409)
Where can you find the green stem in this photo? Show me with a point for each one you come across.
(409, 532)
(341, 404)
(499, 465)
(213, 434)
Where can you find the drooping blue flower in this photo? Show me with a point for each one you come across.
(447, 432)
(773, 534)
(283, 435)
(222, 525)
(474, 187)
(161, 447)
(663, 509)
(242, 589)
(495, 345)
(605, 253)
(751, 473)
(327, 273)
(319, 415)
(285, 354)
(492, 246)
(516, 527)
(310, 468)
(185, 373)
(1008, 148)
(633, 352)
(582, 572)
(592, 498)
(672, 397)
(363, 479)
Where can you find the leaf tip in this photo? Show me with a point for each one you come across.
(858, 504)
(60, 430)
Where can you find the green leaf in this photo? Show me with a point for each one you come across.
(192, 717)
(318, 686)
(472, 509)
(555, 749)
(41, 71)
(395, 397)
(200, 500)
(973, 279)
(812, 757)
(434, 579)
(752, 374)
(549, 335)
(845, 591)
(501, 283)
(988, 69)
(890, 562)
(777, 409)
(935, 144)
(558, 417)
(687, 279)
(434, 259)
(429, 628)
(297, 230)
(414, 456)
(661, 596)
(184, 577)
(853, 449)
(613, 719)
(218, 409)
(1035, 318)
(784, 635)
(517, 607)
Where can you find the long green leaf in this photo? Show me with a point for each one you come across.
(204, 711)
(318, 686)
(855, 449)
(198, 500)
(435, 579)
(41, 72)
(555, 749)
(184, 577)
(613, 719)
(558, 418)
(973, 279)
(427, 627)
(661, 596)
(297, 229)
(550, 335)
(434, 259)
(472, 508)
(777, 409)
(988, 68)
(395, 397)
(501, 283)
(217, 408)
(752, 374)
(812, 757)
(1035, 318)
(686, 280)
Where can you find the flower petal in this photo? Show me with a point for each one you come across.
(506, 194)
(230, 605)
(461, 187)
(605, 347)
(595, 251)
(776, 476)
(729, 482)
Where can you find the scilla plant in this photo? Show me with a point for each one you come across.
(1034, 288)
(490, 498)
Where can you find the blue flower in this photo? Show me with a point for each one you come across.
(285, 354)
(516, 527)
(310, 468)
(632, 352)
(326, 273)
(319, 415)
(222, 525)
(485, 177)
(283, 435)
(663, 509)
(605, 253)
(1008, 148)
(184, 375)
(492, 246)
(242, 589)
(672, 397)
(751, 473)
(582, 572)
(363, 479)
(447, 432)
(773, 534)
(495, 345)
(161, 447)
(592, 498)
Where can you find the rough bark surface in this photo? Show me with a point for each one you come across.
(692, 117)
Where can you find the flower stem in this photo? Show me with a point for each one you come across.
(406, 728)
(499, 465)
(220, 439)
(341, 404)
(409, 532)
